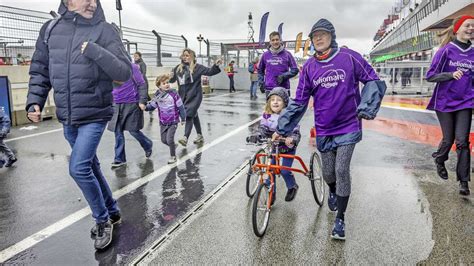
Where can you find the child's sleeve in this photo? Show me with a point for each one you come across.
(151, 105)
(180, 105)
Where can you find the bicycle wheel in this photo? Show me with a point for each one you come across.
(253, 177)
(260, 210)
(316, 178)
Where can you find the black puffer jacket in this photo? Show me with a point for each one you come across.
(82, 82)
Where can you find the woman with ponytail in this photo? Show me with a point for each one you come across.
(452, 69)
(188, 75)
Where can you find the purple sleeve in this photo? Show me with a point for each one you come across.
(363, 71)
(437, 64)
(177, 100)
(304, 89)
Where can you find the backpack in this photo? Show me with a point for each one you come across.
(251, 68)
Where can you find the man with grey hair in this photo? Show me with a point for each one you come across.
(80, 54)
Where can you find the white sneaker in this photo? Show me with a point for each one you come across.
(199, 139)
(183, 141)
(172, 160)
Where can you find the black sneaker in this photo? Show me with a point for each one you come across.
(115, 219)
(441, 169)
(291, 194)
(11, 162)
(148, 153)
(104, 235)
(464, 188)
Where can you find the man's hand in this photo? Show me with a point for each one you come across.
(219, 62)
(458, 74)
(83, 47)
(35, 116)
(142, 106)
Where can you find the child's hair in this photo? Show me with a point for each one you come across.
(160, 79)
(448, 35)
(268, 108)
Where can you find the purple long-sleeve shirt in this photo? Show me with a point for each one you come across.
(128, 91)
(452, 95)
(334, 85)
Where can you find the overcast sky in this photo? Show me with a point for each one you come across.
(356, 21)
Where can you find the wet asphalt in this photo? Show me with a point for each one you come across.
(399, 211)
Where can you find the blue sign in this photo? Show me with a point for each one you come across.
(5, 102)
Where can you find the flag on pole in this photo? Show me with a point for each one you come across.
(307, 44)
(280, 30)
(263, 26)
(299, 40)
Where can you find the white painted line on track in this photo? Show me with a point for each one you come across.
(35, 135)
(78, 215)
(60, 129)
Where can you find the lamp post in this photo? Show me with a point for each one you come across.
(200, 39)
(118, 6)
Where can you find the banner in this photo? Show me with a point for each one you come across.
(280, 31)
(263, 26)
(299, 40)
(307, 44)
(5, 103)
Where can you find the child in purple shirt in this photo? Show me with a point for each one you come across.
(170, 110)
(452, 69)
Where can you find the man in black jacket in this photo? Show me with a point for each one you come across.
(79, 55)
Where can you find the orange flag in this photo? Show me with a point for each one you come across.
(299, 38)
(307, 44)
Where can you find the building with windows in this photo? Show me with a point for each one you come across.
(410, 31)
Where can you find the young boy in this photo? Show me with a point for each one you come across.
(4, 130)
(170, 110)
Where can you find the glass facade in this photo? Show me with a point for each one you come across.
(407, 38)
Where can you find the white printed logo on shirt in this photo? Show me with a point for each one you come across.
(330, 78)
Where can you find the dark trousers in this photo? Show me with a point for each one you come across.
(231, 85)
(167, 137)
(456, 127)
(190, 121)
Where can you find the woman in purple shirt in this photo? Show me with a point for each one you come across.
(452, 69)
(332, 78)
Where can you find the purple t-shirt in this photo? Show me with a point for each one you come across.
(128, 91)
(334, 85)
(168, 104)
(452, 95)
(275, 65)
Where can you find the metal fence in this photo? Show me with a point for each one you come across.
(19, 29)
(406, 80)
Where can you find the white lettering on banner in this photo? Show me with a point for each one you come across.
(330, 78)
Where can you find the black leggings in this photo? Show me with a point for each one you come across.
(190, 121)
(456, 127)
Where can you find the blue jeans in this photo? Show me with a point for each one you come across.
(84, 167)
(145, 142)
(287, 175)
(253, 88)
